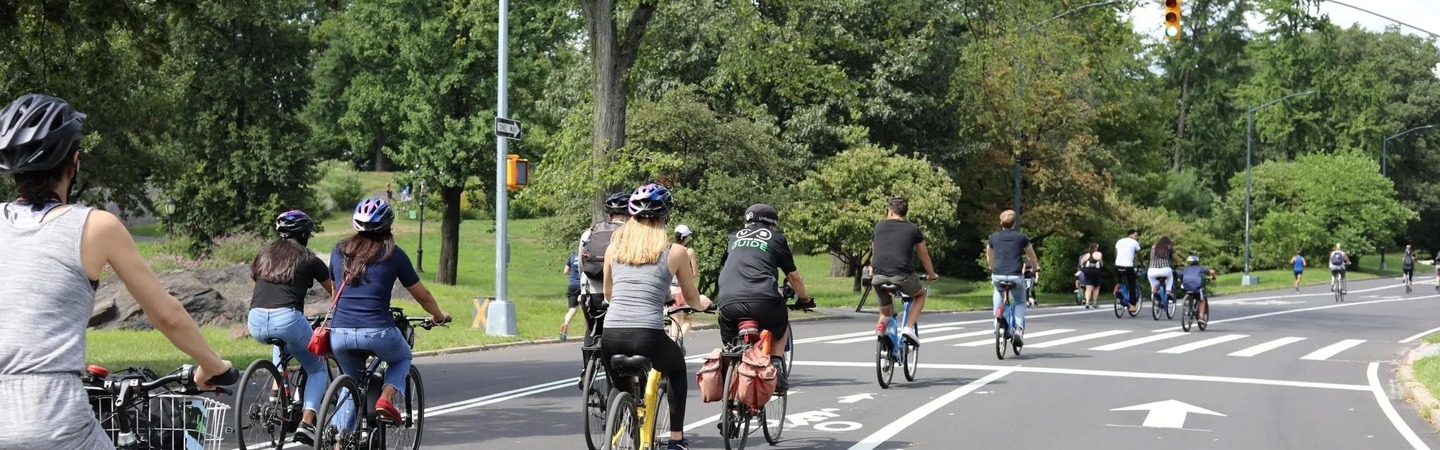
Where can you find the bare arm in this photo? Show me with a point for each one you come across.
(329, 286)
(990, 257)
(798, 284)
(108, 242)
(427, 300)
(925, 260)
(694, 262)
(609, 280)
(682, 268)
(1034, 262)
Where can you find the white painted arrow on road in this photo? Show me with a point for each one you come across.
(1168, 413)
(855, 398)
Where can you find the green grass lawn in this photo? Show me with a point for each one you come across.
(1427, 371)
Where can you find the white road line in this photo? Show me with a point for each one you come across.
(1373, 374)
(1300, 310)
(1140, 341)
(1109, 374)
(893, 428)
(1073, 339)
(701, 423)
(500, 397)
(984, 342)
(808, 340)
(1268, 346)
(1332, 350)
(956, 336)
(943, 324)
(871, 336)
(1418, 336)
(1202, 344)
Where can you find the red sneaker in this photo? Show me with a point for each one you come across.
(387, 410)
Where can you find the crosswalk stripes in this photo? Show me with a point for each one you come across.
(871, 336)
(1140, 341)
(1331, 350)
(1268, 346)
(1073, 339)
(927, 340)
(1027, 336)
(1202, 344)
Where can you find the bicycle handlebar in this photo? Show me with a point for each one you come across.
(184, 378)
(427, 322)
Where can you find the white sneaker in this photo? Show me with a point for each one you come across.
(909, 333)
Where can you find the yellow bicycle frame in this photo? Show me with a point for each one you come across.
(646, 410)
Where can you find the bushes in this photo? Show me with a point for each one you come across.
(173, 253)
(339, 186)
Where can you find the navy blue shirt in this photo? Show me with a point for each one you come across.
(574, 264)
(1009, 251)
(1192, 279)
(367, 305)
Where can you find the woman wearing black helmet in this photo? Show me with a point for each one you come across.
(283, 272)
(638, 268)
(593, 242)
(56, 252)
(369, 263)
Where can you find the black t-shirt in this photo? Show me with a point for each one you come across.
(292, 295)
(1009, 251)
(754, 258)
(894, 244)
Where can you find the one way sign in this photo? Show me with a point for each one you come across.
(507, 128)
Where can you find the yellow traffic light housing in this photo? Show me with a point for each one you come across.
(1172, 20)
(517, 173)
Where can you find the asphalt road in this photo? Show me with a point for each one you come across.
(1274, 370)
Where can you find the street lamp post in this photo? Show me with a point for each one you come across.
(1385, 163)
(1020, 42)
(1249, 280)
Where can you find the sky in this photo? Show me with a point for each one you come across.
(1423, 13)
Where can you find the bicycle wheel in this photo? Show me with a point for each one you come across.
(622, 430)
(1119, 307)
(1188, 315)
(789, 348)
(1205, 318)
(595, 389)
(339, 420)
(734, 416)
(406, 433)
(910, 358)
(884, 366)
(1001, 340)
(772, 418)
(1137, 303)
(1169, 305)
(1154, 306)
(662, 414)
(260, 407)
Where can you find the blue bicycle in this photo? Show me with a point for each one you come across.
(1123, 299)
(890, 347)
(1161, 299)
(1005, 321)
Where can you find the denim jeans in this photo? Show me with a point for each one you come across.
(352, 345)
(290, 325)
(1017, 298)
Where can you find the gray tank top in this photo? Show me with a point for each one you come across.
(46, 296)
(638, 294)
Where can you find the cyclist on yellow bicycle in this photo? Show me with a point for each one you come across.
(639, 264)
(749, 286)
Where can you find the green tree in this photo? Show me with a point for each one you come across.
(837, 205)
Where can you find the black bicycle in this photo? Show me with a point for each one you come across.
(594, 386)
(268, 403)
(140, 410)
(347, 418)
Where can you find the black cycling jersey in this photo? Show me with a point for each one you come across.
(754, 259)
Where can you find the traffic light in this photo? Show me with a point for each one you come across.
(517, 173)
(1172, 20)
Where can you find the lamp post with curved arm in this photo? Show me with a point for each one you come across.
(1248, 280)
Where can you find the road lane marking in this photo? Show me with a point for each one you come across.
(702, 422)
(1332, 350)
(956, 336)
(1300, 310)
(1072, 339)
(1418, 336)
(1268, 346)
(1202, 344)
(500, 397)
(893, 428)
(943, 324)
(1027, 336)
(1373, 375)
(1109, 373)
(1140, 341)
(871, 336)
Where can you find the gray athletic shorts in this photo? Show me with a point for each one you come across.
(909, 284)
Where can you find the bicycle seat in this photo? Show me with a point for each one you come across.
(1006, 285)
(888, 287)
(749, 330)
(275, 342)
(635, 362)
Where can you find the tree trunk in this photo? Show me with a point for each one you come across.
(838, 266)
(611, 55)
(450, 236)
(1180, 122)
(379, 146)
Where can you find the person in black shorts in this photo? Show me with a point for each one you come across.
(894, 243)
(1407, 265)
(572, 292)
(749, 286)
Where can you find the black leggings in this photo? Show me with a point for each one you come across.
(665, 356)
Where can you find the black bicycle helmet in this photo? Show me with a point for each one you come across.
(37, 132)
(618, 203)
(651, 201)
(294, 224)
(763, 214)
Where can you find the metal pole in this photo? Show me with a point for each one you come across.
(500, 316)
(420, 251)
(1249, 133)
(1384, 155)
(1019, 70)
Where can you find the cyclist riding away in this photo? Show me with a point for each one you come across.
(369, 263)
(1297, 264)
(1125, 250)
(283, 272)
(1192, 280)
(749, 286)
(1032, 279)
(1161, 256)
(593, 243)
(637, 272)
(894, 243)
(1407, 266)
(1005, 252)
(682, 237)
(55, 254)
(1338, 261)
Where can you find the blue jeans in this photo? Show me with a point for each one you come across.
(1017, 299)
(290, 325)
(352, 345)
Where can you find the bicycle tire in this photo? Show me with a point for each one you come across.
(734, 416)
(1205, 318)
(1169, 306)
(662, 413)
(789, 348)
(774, 410)
(1154, 306)
(621, 427)
(406, 434)
(261, 410)
(884, 366)
(910, 357)
(1188, 315)
(1002, 330)
(1119, 306)
(595, 390)
(340, 415)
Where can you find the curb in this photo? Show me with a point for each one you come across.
(1415, 392)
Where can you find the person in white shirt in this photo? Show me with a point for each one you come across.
(1125, 251)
